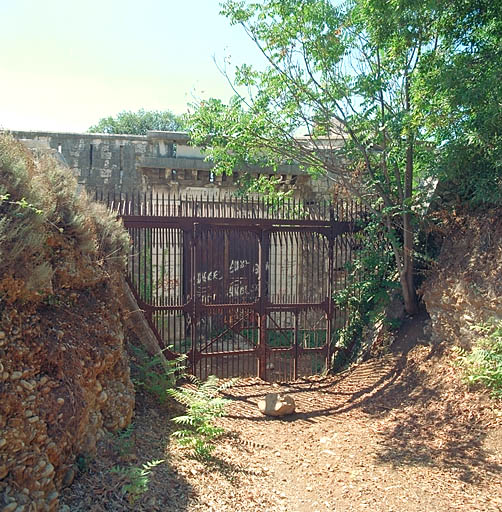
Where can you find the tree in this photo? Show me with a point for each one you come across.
(365, 81)
(138, 123)
(342, 73)
(461, 91)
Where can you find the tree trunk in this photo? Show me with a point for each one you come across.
(406, 273)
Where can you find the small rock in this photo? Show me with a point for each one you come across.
(16, 375)
(10, 507)
(277, 404)
(26, 385)
(49, 469)
(68, 477)
(3, 471)
(52, 498)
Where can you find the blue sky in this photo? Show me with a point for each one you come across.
(65, 64)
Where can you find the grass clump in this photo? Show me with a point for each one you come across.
(52, 237)
(483, 364)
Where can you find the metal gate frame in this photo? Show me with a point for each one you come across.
(333, 223)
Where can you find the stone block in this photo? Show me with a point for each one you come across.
(277, 404)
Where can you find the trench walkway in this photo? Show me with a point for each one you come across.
(395, 434)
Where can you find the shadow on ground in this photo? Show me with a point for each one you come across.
(100, 489)
(423, 412)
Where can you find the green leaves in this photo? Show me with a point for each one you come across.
(483, 364)
(399, 91)
(459, 92)
(138, 123)
(156, 374)
(203, 408)
(137, 479)
(22, 203)
(370, 280)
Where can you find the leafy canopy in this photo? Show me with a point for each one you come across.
(138, 123)
(342, 76)
(364, 84)
(460, 92)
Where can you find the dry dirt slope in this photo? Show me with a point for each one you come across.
(400, 433)
(64, 372)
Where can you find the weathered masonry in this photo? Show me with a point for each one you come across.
(164, 162)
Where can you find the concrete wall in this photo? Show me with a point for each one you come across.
(160, 161)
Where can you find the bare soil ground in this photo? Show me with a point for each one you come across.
(399, 433)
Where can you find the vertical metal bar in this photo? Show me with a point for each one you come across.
(163, 287)
(150, 265)
(155, 245)
(191, 239)
(139, 249)
(295, 341)
(263, 248)
(329, 313)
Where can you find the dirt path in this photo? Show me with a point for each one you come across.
(395, 434)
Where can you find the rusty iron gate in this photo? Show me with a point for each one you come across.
(244, 287)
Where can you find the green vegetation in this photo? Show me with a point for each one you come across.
(370, 279)
(123, 441)
(402, 92)
(156, 375)
(459, 94)
(138, 123)
(483, 364)
(42, 210)
(137, 479)
(203, 408)
(307, 338)
(82, 461)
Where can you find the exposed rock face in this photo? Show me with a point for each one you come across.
(65, 381)
(465, 288)
(277, 404)
(64, 374)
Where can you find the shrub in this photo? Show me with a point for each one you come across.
(483, 364)
(156, 375)
(370, 279)
(137, 479)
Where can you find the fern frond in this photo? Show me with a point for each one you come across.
(183, 420)
(148, 466)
